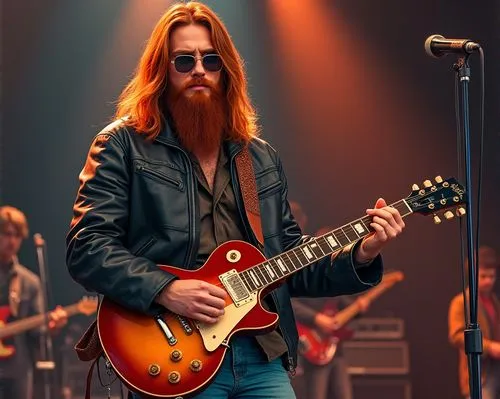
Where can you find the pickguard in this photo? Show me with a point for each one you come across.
(213, 335)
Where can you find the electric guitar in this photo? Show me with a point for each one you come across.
(85, 306)
(319, 348)
(171, 356)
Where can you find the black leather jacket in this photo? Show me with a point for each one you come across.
(137, 207)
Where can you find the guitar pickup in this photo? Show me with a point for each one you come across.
(169, 335)
(235, 287)
(185, 325)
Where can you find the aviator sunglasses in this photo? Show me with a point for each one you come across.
(184, 63)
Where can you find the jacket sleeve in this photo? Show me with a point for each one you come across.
(456, 325)
(330, 276)
(96, 254)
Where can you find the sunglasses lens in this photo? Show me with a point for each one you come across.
(184, 63)
(212, 62)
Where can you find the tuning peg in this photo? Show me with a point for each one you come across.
(427, 183)
(415, 187)
(460, 211)
(438, 179)
(448, 215)
(437, 220)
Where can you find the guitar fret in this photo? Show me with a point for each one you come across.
(350, 233)
(300, 256)
(307, 252)
(265, 273)
(366, 222)
(331, 240)
(358, 227)
(341, 237)
(284, 265)
(254, 278)
(276, 267)
(316, 248)
(246, 280)
(259, 274)
(354, 230)
(323, 244)
(270, 270)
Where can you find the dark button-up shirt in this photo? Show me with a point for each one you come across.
(220, 221)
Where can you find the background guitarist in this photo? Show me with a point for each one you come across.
(159, 187)
(332, 380)
(489, 321)
(20, 297)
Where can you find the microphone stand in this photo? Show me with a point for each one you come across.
(46, 363)
(472, 334)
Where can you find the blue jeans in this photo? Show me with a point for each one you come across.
(247, 374)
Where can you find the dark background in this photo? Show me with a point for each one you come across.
(345, 92)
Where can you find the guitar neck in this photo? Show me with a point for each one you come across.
(280, 267)
(29, 323)
(351, 311)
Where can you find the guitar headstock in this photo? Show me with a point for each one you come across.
(438, 196)
(87, 305)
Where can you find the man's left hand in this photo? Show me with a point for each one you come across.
(387, 223)
(58, 318)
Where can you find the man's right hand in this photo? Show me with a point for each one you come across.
(195, 299)
(327, 324)
(494, 350)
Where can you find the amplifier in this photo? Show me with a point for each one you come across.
(377, 357)
(378, 328)
(381, 387)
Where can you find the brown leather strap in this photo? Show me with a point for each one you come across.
(89, 346)
(89, 378)
(246, 176)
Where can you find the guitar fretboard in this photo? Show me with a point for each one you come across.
(289, 262)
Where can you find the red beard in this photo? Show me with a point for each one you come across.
(200, 118)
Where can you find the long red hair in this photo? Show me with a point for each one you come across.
(142, 100)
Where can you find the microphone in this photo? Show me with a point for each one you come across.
(437, 46)
(38, 239)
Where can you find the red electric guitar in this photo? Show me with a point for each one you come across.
(319, 348)
(85, 306)
(170, 356)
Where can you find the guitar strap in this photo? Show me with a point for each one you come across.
(14, 294)
(248, 186)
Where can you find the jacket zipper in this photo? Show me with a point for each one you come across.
(141, 168)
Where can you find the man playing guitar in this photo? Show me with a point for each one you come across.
(160, 186)
(20, 297)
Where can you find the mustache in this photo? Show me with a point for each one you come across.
(199, 82)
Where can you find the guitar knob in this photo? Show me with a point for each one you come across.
(437, 220)
(448, 215)
(438, 179)
(460, 211)
(415, 187)
(153, 370)
(196, 365)
(176, 355)
(174, 377)
(427, 184)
